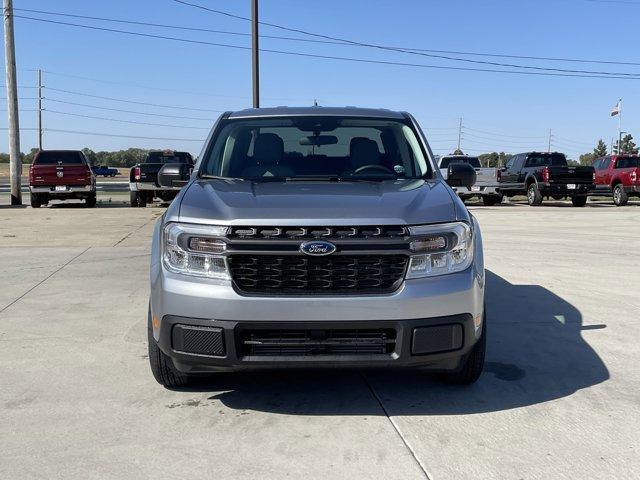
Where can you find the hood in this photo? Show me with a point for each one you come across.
(242, 202)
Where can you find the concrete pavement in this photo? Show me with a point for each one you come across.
(559, 397)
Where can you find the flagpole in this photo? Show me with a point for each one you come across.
(620, 127)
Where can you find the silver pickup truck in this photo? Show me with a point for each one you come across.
(487, 179)
(317, 237)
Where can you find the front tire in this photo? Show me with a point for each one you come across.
(473, 364)
(580, 201)
(534, 197)
(162, 366)
(620, 197)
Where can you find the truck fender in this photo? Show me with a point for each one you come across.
(530, 178)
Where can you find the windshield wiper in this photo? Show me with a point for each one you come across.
(314, 178)
(217, 177)
(372, 178)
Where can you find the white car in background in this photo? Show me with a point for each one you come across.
(487, 179)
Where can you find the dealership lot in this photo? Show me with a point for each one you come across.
(559, 397)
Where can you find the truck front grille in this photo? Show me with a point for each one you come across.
(300, 275)
(307, 233)
(284, 342)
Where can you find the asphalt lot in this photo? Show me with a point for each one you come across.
(559, 398)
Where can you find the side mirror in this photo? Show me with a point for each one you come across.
(174, 175)
(461, 175)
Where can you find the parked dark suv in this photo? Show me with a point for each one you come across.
(546, 174)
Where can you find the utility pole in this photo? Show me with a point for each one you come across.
(255, 52)
(15, 163)
(39, 109)
(460, 134)
(549, 147)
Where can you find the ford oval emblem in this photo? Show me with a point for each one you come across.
(317, 248)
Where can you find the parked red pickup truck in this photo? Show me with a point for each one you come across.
(61, 175)
(618, 175)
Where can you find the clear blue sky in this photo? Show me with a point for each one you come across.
(511, 108)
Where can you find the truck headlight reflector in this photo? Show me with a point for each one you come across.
(193, 249)
(451, 245)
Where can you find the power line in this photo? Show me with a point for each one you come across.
(503, 135)
(571, 141)
(133, 85)
(334, 57)
(401, 50)
(127, 111)
(132, 101)
(494, 144)
(101, 134)
(124, 121)
(467, 134)
(329, 42)
(151, 87)
(178, 27)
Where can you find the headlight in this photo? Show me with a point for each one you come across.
(194, 250)
(440, 249)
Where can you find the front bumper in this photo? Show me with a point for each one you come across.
(407, 350)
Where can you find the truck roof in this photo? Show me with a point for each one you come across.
(318, 111)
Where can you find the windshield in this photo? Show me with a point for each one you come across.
(473, 161)
(169, 157)
(316, 147)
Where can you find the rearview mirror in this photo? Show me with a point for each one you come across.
(318, 140)
(174, 175)
(461, 175)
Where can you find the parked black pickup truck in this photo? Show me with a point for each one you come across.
(143, 178)
(538, 175)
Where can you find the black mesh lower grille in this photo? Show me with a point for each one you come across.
(317, 342)
(336, 274)
(198, 340)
